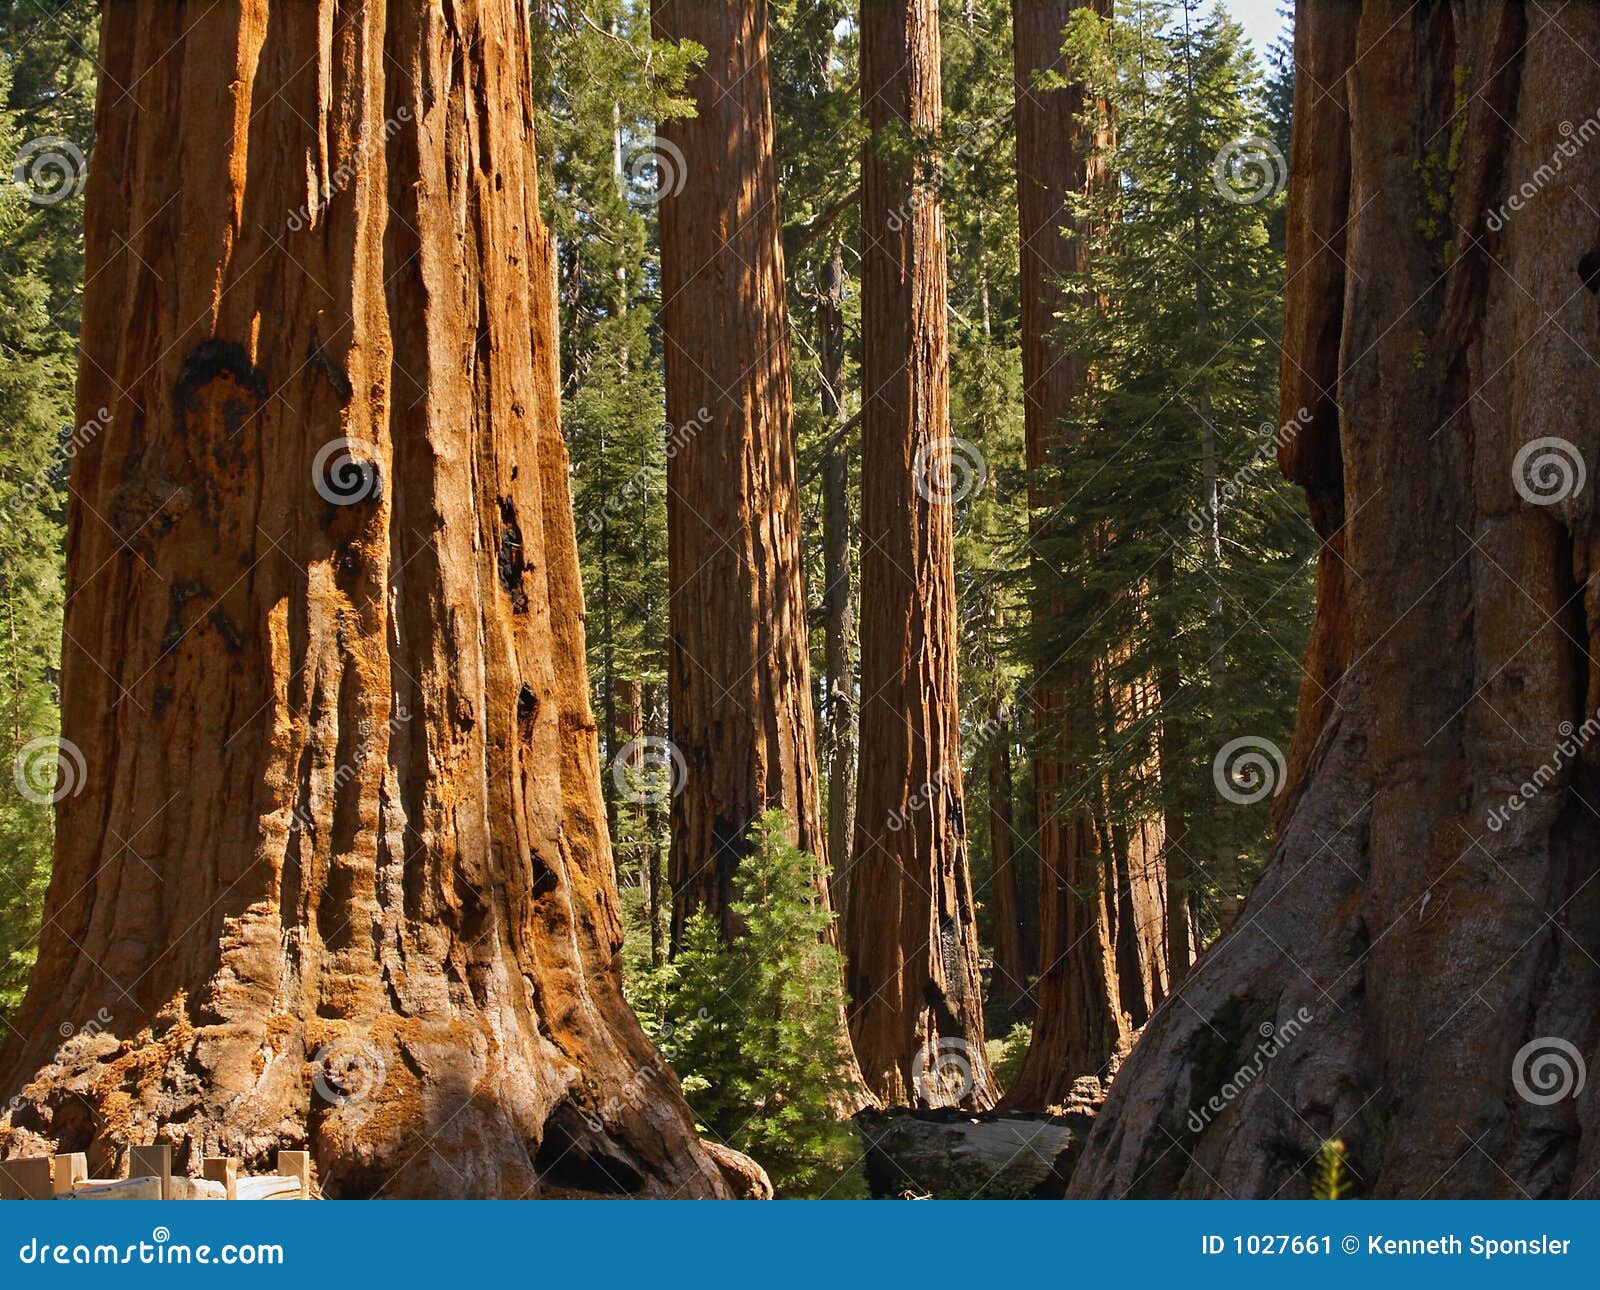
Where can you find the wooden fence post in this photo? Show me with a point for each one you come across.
(224, 1170)
(25, 1179)
(297, 1164)
(154, 1161)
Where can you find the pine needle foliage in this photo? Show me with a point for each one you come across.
(751, 1026)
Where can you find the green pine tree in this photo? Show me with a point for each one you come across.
(750, 1025)
(1183, 557)
(38, 318)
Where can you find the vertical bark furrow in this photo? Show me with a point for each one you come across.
(1424, 904)
(915, 1011)
(739, 689)
(339, 875)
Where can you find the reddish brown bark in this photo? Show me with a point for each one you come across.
(1080, 1020)
(739, 690)
(838, 601)
(915, 1011)
(1010, 979)
(338, 874)
(1442, 953)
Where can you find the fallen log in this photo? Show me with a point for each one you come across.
(951, 1155)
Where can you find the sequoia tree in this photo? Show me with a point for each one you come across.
(911, 936)
(738, 670)
(1414, 972)
(1079, 1021)
(331, 865)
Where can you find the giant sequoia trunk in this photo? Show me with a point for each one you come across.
(1080, 1021)
(739, 688)
(1430, 916)
(337, 872)
(915, 1012)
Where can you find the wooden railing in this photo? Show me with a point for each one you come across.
(150, 1177)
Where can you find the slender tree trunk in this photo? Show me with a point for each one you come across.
(630, 728)
(1079, 1022)
(1011, 974)
(1430, 904)
(608, 668)
(337, 873)
(916, 1013)
(839, 595)
(1171, 756)
(654, 860)
(738, 671)
(16, 673)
